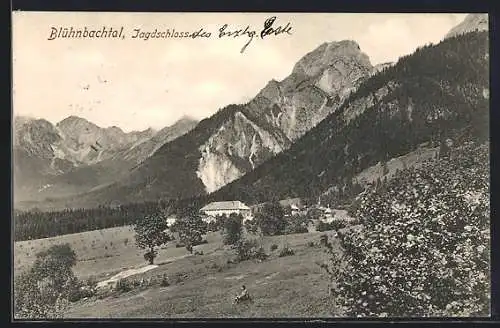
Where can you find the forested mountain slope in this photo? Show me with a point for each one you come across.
(439, 92)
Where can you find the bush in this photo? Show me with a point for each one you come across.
(124, 285)
(75, 292)
(178, 278)
(274, 247)
(286, 251)
(338, 224)
(311, 244)
(291, 229)
(251, 226)
(81, 289)
(164, 281)
(244, 249)
(334, 225)
(260, 254)
(248, 250)
(323, 240)
(424, 246)
(323, 226)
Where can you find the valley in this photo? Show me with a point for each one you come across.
(343, 189)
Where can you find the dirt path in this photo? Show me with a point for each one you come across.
(125, 274)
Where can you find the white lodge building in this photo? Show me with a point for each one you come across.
(226, 208)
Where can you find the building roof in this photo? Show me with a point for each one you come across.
(228, 205)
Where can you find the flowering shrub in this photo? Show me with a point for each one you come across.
(423, 249)
(43, 291)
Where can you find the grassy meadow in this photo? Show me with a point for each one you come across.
(100, 253)
(200, 285)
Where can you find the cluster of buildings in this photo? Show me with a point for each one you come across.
(294, 207)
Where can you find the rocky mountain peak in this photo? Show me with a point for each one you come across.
(75, 125)
(471, 23)
(73, 119)
(185, 119)
(319, 82)
(328, 54)
(114, 130)
(35, 136)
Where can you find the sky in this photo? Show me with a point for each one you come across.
(136, 84)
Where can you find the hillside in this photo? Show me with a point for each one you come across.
(441, 91)
(238, 138)
(471, 23)
(200, 286)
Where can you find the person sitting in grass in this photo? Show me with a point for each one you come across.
(243, 296)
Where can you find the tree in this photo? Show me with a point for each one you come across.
(190, 228)
(151, 232)
(297, 224)
(251, 226)
(219, 222)
(271, 219)
(43, 290)
(233, 229)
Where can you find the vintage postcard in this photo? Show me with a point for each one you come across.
(250, 165)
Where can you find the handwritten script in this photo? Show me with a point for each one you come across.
(268, 30)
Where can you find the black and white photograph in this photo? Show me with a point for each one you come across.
(170, 165)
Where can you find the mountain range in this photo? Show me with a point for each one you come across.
(332, 117)
(76, 155)
(238, 138)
